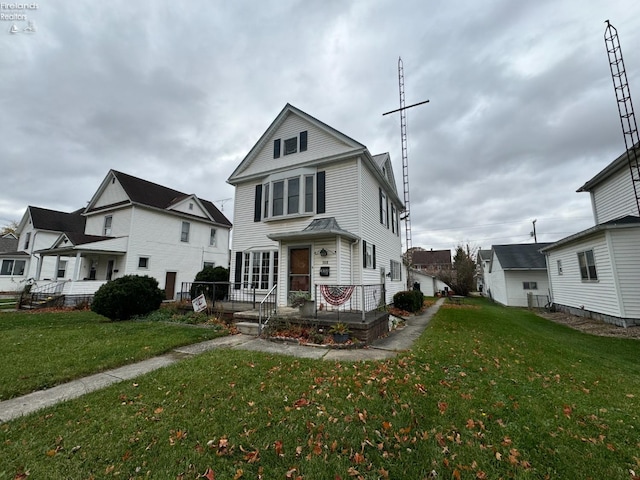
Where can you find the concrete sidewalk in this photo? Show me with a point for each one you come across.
(397, 341)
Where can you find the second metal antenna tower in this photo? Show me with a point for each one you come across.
(625, 106)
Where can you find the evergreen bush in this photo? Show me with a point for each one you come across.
(127, 296)
(211, 274)
(409, 300)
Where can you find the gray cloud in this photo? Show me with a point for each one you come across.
(522, 110)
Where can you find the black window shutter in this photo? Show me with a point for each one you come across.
(320, 197)
(373, 248)
(380, 199)
(364, 254)
(303, 141)
(238, 272)
(276, 148)
(257, 207)
(387, 214)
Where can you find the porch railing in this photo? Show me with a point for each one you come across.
(220, 292)
(349, 298)
(267, 308)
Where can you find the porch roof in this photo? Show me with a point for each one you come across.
(71, 244)
(319, 227)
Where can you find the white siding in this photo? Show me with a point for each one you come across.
(614, 198)
(112, 194)
(626, 256)
(120, 222)
(189, 206)
(157, 236)
(497, 284)
(569, 289)
(320, 144)
(516, 294)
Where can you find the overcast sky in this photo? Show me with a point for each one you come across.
(522, 110)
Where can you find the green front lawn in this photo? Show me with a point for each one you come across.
(487, 392)
(40, 350)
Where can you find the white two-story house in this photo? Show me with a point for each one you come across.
(596, 272)
(313, 207)
(136, 227)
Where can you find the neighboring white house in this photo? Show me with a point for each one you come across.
(516, 274)
(39, 228)
(314, 207)
(429, 284)
(596, 272)
(135, 227)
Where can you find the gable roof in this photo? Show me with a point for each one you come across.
(484, 255)
(146, 193)
(279, 120)
(524, 256)
(615, 166)
(628, 221)
(431, 257)
(8, 244)
(54, 220)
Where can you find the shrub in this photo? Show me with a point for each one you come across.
(127, 296)
(211, 274)
(410, 300)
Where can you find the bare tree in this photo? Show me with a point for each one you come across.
(11, 227)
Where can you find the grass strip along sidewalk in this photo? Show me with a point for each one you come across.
(40, 350)
(486, 392)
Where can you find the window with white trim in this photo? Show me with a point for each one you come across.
(13, 267)
(530, 285)
(260, 269)
(184, 233)
(396, 270)
(559, 267)
(291, 146)
(587, 263)
(290, 196)
(212, 238)
(62, 268)
(143, 262)
(106, 230)
(27, 240)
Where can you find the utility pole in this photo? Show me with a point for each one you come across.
(533, 234)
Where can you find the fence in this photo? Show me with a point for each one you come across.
(349, 298)
(537, 301)
(220, 292)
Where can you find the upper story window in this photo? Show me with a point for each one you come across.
(384, 208)
(212, 238)
(587, 263)
(368, 255)
(559, 267)
(290, 145)
(298, 192)
(184, 234)
(106, 230)
(27, 240)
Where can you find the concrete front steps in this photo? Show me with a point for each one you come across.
(247, 322)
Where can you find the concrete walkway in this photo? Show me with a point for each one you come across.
(399, 340)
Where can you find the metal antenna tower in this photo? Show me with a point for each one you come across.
(625, 106)
(405, 165)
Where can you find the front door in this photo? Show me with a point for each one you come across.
(170, 285)
(299, 270)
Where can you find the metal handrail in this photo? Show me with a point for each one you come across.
(267, 300)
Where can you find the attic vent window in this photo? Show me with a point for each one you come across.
(191, 206)
(290, 145)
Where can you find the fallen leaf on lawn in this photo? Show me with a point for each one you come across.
(290, 473)
(278, 448)
(158, 410)
(442, 406)
(239, 474)
(209, 475)
(252, 457)
(567, 411)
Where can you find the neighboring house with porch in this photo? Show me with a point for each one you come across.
(39, 228)
(314, 207)
(517, 275)
(136, 227)
(595, 273)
